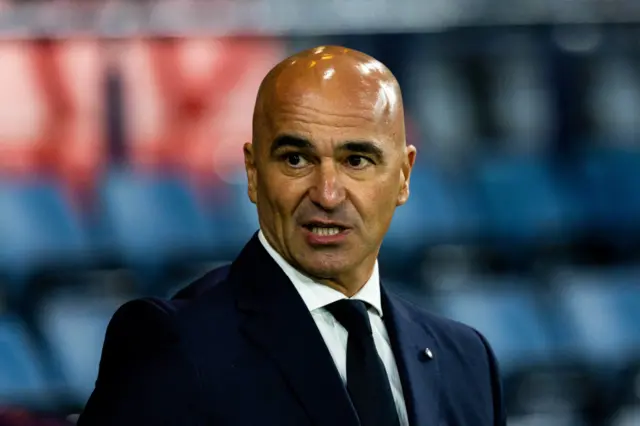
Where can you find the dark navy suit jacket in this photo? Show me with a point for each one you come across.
(239, 347)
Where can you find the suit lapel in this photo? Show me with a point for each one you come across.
(419, 373)
(276, 319)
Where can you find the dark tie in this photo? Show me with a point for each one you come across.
(367, 380)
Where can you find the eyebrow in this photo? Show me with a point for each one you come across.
(358, 147)
(288, 141)
(363, 147)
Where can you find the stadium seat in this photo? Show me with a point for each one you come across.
(439, 211)
(510, 313)
(151, 222)
(610, 180)
(74, 326)
(505, 311)
(38, 231)
(521, 202)
(23, 380)
(602, 309)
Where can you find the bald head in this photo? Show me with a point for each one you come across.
(336, 81)
(329, 162)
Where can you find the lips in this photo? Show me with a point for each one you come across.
(325, 234)
(325, 229)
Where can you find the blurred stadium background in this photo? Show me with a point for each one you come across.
(121, 175)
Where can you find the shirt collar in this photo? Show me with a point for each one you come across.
(317, 295)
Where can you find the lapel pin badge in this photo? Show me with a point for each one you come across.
(428, 354)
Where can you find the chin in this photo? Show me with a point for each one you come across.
(323, 266)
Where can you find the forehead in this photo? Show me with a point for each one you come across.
(323, 108)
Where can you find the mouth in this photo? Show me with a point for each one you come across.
(325, 229)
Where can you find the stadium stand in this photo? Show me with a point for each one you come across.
(173, 201)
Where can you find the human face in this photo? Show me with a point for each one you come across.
(326, 180)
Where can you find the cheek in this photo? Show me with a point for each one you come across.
(376, 205)
(280, 199)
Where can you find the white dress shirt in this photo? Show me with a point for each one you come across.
(316, 296)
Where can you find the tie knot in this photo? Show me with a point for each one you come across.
(353, 316)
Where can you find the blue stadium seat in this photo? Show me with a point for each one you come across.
(152, 221)
(610, 181)
(505, 311)
(74, 326)
(439, 211)
(23, 380)
(602, 309)
(540, 387)
(38, 230)
(521, 202)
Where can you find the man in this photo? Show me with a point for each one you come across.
(298, 330)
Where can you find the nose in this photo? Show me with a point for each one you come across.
(327, 191)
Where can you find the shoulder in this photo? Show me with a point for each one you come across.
(202, 285)
(157, 319)
(140, 321)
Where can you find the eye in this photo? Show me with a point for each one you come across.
(358, 161)
(295, 160)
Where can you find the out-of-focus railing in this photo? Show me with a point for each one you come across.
(112, 18)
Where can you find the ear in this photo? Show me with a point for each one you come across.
(252, 174)
(407, 166)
